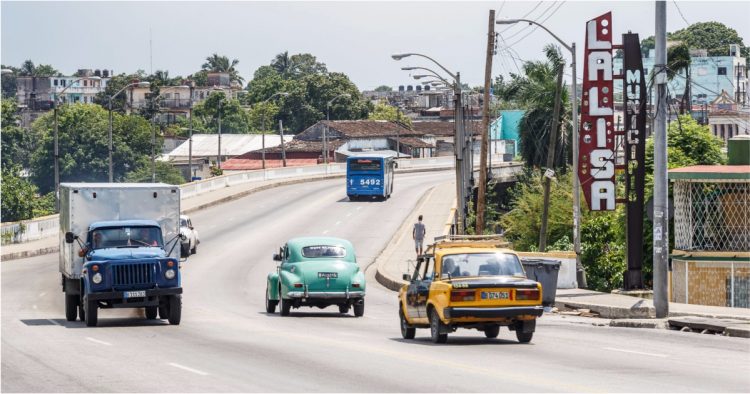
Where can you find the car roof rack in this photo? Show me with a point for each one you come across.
(493, 240)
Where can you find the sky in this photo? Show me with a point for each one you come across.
(356, 38)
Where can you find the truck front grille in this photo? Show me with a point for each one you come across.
(134, 274)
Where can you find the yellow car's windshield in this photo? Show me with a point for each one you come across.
(480, 264)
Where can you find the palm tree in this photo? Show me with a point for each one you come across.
(216, 63)
(283, 64)
(678, 60)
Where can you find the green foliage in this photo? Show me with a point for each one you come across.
(297, 66)
(262, 115)
(234, 119)
(162, 78)
(165, 172)
(523, 222)
(17, 143)
(216, 63)
(603, 250)
(18, 196)
(712, 36)
(114, 85)
(383, 88)
(83, 146)
(383, 111)
(9, 81)
(28, 69)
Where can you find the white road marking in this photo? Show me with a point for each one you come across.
(635, 352)
(325, 232)
(34, 306)
(195, 371)
(98, 341)
(339, 222)
(42, 294)
(53, 322)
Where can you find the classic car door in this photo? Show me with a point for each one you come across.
(423, 286)
(411, 293)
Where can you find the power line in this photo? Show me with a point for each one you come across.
(536, 27)
(551, 5)
(525, 15)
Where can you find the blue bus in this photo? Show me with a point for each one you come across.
(369, 176)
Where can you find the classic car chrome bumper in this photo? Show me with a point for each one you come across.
(326, 294)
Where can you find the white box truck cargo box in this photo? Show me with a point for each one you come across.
(84, 203)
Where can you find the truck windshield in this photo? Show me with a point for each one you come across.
(480, 264)
(126, 237)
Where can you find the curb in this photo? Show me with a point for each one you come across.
(640, 323)
(610, 312)
(29, 253)
(383, 278)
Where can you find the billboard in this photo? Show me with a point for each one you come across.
(596, 139)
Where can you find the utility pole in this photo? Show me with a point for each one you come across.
(283, 151)
(218, 157)
(551, 147)
(482, 192)
(459, 141)
(190, 136)
(661, 227)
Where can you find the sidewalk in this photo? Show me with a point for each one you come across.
(188, 205)
(399, 256)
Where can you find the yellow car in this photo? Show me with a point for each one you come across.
(469, 282)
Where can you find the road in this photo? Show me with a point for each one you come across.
(227, 343)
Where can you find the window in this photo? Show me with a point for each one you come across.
(55, 82)
(63, 82)
(481, 264)
(722, 71)
(323, 251)
(364, 165)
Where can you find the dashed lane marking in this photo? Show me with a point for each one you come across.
(339, 222)
(98, 341)
(42, 294)
(195, 371)
(636, 352)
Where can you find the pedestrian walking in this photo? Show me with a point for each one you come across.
(418, 234)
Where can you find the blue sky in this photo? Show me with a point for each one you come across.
(356, 38)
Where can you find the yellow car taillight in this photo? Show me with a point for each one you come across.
(462, 295)
(527, 294)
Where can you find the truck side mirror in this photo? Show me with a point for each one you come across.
(69, 237)
(276, 257)
(407, 278)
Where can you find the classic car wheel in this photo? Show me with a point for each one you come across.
(270, 304)
(523, 337)
(343, 308)
(91, 313)
(359, 309)
(151, 312)
(175, 309)
(492, 331)
(71, 306)
(286, 307)
(406, 331)
(436, 325)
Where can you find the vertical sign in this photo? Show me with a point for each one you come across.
(596, 158)
(634, 100)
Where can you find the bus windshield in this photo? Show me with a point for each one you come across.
(365, 165)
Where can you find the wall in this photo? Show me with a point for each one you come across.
(714, 283)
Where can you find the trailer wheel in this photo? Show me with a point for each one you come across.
(175, 309)
(92, 313)
(151, 312)
(71, 307)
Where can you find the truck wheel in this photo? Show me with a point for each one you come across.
(184, 250)
(286, 307)
(344, 308)
(71, 307)
(436, 326)
(523, 337)
(175, 309)
(492, 331)
(359, 309)
(270, 304)
(406, 331)
(151, 312)
(92, 313)
(163, 311)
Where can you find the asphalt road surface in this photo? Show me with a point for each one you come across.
(227, 343)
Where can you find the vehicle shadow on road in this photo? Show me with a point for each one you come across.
(459, 341)
(309, 314)
(102, 322)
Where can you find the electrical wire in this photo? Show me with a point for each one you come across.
(523, 17)
(551, 5)
(536, 27)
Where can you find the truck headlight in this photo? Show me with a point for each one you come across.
(97, 278)
(169, 274)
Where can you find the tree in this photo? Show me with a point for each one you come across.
(28, 69)
(383, 88)
(114, 85)
(234, 119)
(216, 63)
(9, 81)
(262, 117)
(18, 196)
(17, 143)
(383, 111)
(165, 172)
(83, 145)
(712, 36)
(679, 62)
(282, 64)
(162, 78)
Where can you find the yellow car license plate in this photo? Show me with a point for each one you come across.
(495, 295)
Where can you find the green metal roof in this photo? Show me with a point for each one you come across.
(741, 172)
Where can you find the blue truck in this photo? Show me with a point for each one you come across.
(119, 248)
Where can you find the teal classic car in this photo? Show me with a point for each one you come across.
(316, 272)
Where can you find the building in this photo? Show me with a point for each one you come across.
(711, 256)
(298, 153)
(710, 75)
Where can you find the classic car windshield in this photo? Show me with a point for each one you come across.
(323, 251)
(123, 237)
(481, 264)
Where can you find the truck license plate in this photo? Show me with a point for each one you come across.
(135, 294)
(495, 295)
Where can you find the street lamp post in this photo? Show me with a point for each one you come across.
(109, 105)
(57, 145)
(263, 125)
(325, 130)
(463, 163)
(576, 182)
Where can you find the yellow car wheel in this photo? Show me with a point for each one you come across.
(406, 331)
(436, 327)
